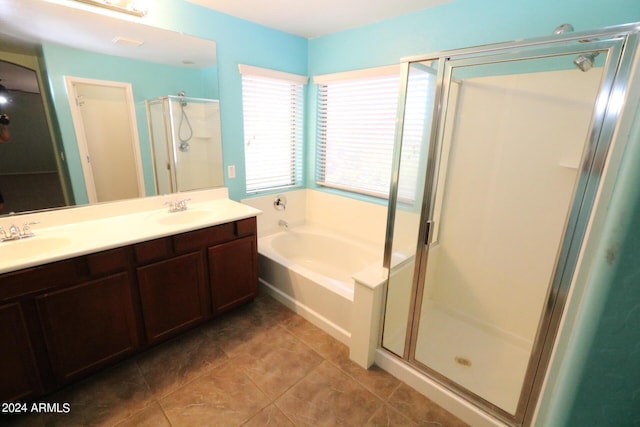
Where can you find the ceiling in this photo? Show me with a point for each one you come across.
(316, 18)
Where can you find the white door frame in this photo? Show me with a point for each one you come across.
(81, 137)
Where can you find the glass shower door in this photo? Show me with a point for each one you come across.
(512, 150)
(508, 169)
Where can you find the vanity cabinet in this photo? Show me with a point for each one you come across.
(88, 326)
(77, 316)
(231, 255)
(18, 370)
(61, 321)
(233, 273)
(172, 291)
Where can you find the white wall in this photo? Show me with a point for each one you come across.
(361, 220)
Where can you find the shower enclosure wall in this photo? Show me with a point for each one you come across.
(186, 143)
(499, 156)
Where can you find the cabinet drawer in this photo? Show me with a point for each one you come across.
(30, 280)
(152, 250)
(196, 240)
(106, 262)
(246, 227)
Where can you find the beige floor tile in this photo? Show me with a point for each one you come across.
(236, 328)
(275, 361)
(176, 362)
(328, 397)
(150, 416)
(376, 380)
(420, 409)
(223, 397)
(103, 399)
(385, 416)
(316, 338)
(270, 416)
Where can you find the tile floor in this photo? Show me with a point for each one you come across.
(260, 365)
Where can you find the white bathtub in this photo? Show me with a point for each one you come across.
(310, 270)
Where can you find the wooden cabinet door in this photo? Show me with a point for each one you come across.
(88, 326)
(19, 377)
(173, 295)
(233, 273)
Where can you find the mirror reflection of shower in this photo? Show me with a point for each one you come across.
(585, 61)
(184, 124)
(186, 143)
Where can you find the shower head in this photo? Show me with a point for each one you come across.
(585, 61)
(564, 28)
(182, 94)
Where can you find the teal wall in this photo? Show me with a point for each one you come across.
(604, 351)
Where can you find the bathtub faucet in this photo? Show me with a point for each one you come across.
(280, 203)
(283, 223)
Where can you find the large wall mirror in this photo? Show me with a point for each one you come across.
(59, 63)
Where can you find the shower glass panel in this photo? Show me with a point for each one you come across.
(498, 158)
(410, 158)
(186, 143)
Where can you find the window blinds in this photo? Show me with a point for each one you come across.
(356, 129)
(272, 106)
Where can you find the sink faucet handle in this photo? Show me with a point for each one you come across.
(182, 204)
(3, 232)
(26, 228)
(14, 231)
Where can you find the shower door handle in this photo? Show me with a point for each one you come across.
(427, 232)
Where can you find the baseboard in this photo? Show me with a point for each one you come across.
(312, 316)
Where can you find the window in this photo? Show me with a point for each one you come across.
(356, 129)
(272, 106)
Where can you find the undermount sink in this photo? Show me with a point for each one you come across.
(183, 217)
(31, 246)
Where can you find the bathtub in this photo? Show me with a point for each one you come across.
(310, 270)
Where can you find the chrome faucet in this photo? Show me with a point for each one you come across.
(177, 205)
(283, 223)
(14, 232)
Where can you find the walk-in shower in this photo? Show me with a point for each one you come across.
(186, 143)
(500, 152)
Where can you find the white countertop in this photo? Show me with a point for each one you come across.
(72, 232)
